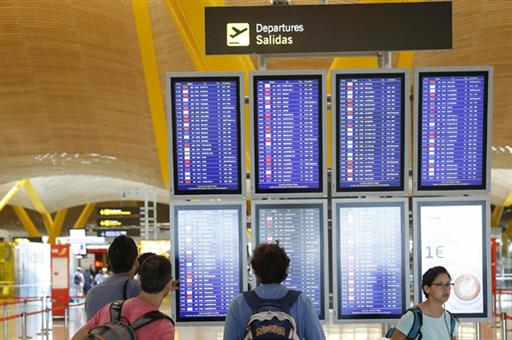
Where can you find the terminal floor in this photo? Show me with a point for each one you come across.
(467, 331)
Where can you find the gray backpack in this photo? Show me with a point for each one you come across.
(115, 329)
(271, 319)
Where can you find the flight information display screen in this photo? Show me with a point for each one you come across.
(371, 265)
(206, 138)
(299, 229)
(452, 123)
(370, 132)
(208, 252)
(452, 234)
(288, 133)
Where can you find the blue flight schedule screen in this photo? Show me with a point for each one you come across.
(370, 132)
(206, 135)
(208, 261)
(452, 125)
(299, 230)
(288, 123)
(371, 271)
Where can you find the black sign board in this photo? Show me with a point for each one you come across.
(328, 28)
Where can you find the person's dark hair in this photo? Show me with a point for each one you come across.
(142, 257)
(270, 263)
(122, 253)
(430, 275)
(155, 273)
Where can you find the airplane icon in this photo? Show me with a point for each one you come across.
(237, 34)
(237, 31)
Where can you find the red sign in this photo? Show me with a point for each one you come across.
(60, 278)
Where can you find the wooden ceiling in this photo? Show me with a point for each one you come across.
(73, 98)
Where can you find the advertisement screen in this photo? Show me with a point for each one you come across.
(370, 132)
(288, 133)
(299, 229)
(206, 135)
(451, 234)
(208, 260)
(371, 266)
(452, 123)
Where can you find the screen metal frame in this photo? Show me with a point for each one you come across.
(171, 79)
(365, 203)
(242, 242)
(258, 193)
(309, 203)
(418, 188)
(486, 251)
(403, 189)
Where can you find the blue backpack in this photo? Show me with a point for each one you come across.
(271, 319)
(415, 331)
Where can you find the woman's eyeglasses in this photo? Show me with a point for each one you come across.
(443, 285)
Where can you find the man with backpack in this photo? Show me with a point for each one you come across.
(78, 280)
(272, 311)
(139, 317)
(122, 255)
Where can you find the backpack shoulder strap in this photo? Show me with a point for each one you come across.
(115, 310)
(288, 300)
(255, 302)
(125, 289)
(252, 299)
(417, 323)
(148, 318)
(453, 322)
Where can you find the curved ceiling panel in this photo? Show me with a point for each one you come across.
(59, 192)
(72, 83)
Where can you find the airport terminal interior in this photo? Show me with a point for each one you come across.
(371, 144)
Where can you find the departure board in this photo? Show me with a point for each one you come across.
(371, 265)
(208, 260)
(370, 131)
(287, 114)
(299, 229)
(452, 125)
(206, 135)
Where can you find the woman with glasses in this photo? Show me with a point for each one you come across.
(429, 320)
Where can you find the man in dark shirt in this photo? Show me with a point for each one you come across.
(122, 255)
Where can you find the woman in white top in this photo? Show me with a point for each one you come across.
(437, 323)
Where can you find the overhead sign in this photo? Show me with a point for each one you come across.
(118, 222)
(117, 232)
(118, 212)
(328, 28)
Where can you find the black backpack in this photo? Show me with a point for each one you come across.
(415, 331)
(271, 319)
(115, 329)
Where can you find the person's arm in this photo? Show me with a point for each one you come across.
(398, 335)
(403, 326)
(231, 329)
(81, 334)
(312, 328)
